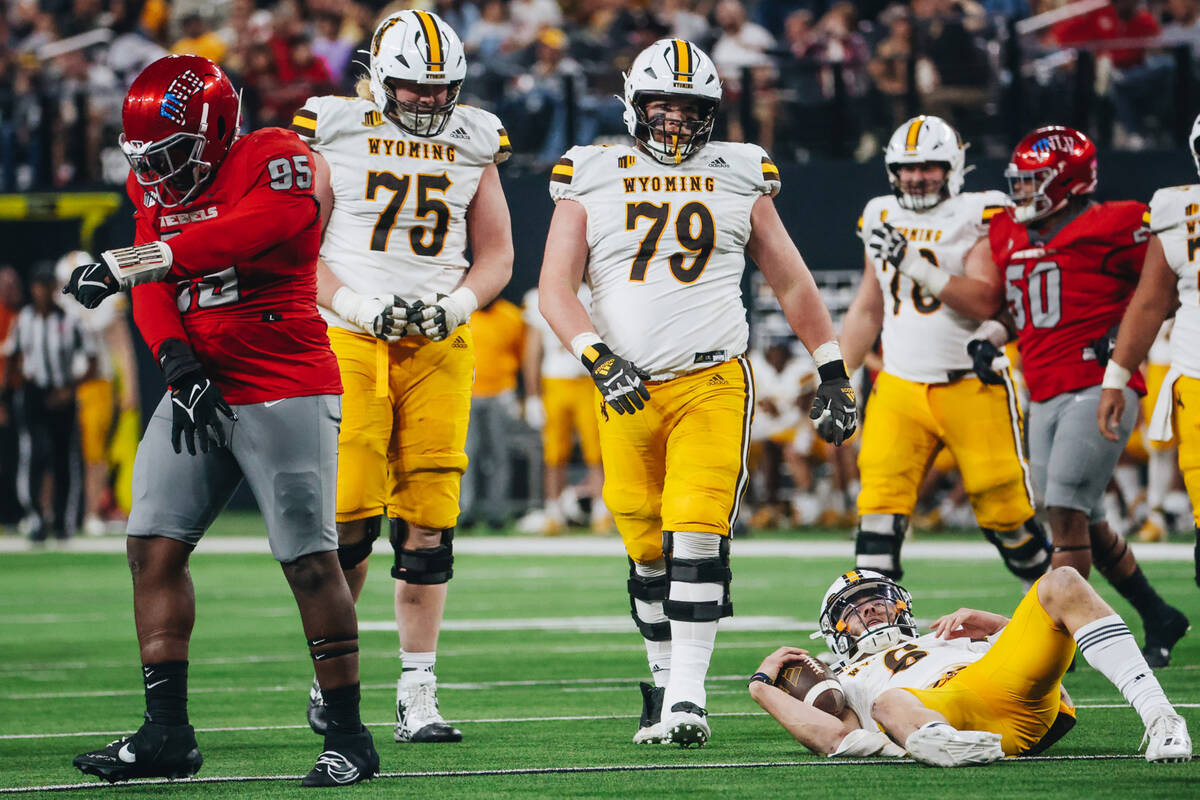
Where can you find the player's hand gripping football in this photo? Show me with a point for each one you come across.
(91, 283)
(835, 411)
(621, 383)
(195, 400)
(772, 664)
(983, 353)
(888, 244)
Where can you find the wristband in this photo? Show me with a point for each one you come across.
(761, 677)
(830, 365)
(931, 278)
(1115, 376)
(465, 301)
(345, 303)
(592, 353)
(176, 359)
(994, 332)
(583, 341)
(141, 264)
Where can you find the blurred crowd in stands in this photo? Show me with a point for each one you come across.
(802, 77)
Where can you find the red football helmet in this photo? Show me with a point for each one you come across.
(1049, 167)
(180, 118)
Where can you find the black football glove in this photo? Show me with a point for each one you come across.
(887, 244)
(834, 408)
(91, 283)
(983, 353)
(438, 314)
(621, 383)
(195, 400)
(1103, 348)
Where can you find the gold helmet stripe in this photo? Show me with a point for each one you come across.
(683, 61)
(434, 38)
(914, 130)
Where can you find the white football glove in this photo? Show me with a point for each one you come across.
(439, 314)
(535, 412)
(382, 316)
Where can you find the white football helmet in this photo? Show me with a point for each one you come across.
(419, 47)
(671, 68)
(923, 140)
(1194, 142)
(846, 599)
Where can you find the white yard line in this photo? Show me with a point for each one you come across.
(482, 721)
(927, 547)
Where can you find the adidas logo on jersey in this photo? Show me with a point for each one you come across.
(717, 380)
(719, 163)
(460, 133)
(459, 343)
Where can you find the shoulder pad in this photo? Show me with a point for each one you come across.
(1173, 205)
(565, 176)
(323, 118)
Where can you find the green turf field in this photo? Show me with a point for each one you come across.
(538, 666)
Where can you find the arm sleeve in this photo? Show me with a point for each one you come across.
(278, 206)
(156, 315)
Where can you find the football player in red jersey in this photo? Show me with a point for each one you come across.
(223, 277)
(1069, 267)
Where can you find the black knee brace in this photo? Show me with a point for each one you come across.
(1108, 547)
(351, 555)
(877, 543)
(648, 590)
(424, 566)
(1026, 551)
(698, 570)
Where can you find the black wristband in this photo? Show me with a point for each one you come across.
(761, 677)
(833, 371)
(592, 354)
(176, 360)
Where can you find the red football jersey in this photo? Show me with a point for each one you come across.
(1067, 293)
(243, 288)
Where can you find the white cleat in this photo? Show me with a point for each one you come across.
(940, 745)
(1168, 740)
(417, 716)
(686, 725)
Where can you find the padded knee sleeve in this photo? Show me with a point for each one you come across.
(698, 570)
(351, 555)
(423, 566)
(648, 589)
(1026, 551)
(877, 544)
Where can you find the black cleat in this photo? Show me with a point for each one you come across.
(318, 713)
(650, 730)
(1161, 635)
(348, 758)
(155, 751)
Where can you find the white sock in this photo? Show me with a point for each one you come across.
(1160, 472)
(1110, 648)
(1126, 478)
(692, 642)
(658, 654)
(417, 661)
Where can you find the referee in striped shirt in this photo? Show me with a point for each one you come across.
(53, 355)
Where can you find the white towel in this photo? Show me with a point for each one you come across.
(1160, 429)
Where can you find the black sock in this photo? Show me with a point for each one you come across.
(1196, 555)
(166, 692)
(341, 704)
(1141, 595)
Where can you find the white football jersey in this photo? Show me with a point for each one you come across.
(921, 663)
(924, 339)
(1175, 214)
(399, 222)
(667, 249)
(783, 388)
(557, 361)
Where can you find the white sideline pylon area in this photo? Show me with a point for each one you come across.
(928, 547)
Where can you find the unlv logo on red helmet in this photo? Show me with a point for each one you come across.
(174, 102)
(1049, 167)
(179, 120)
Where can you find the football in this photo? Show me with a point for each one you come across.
(814, 683)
